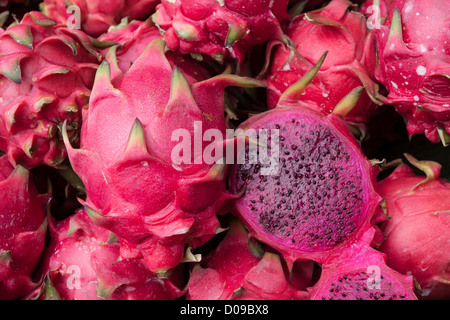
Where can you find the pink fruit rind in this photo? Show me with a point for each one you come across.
(239, 269)
(413, 65)
(83, 263)
(23, 227)
(350, 61)
(96, 17)
(416, 238)
(126, 42)
(36, 54)
(220, 29)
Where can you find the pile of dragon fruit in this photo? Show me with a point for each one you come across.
(224, 150)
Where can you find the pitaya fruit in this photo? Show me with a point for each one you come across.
(417, 239)
(153, 195)
(46, 72)
(94, 16)
(239, 269)
(413, 52)
(83, 263)
(350, 61)
(23, 227)
(360, 273)
(317, 192)
(220, 29)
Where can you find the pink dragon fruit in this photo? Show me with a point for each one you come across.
(417, 240)
(83, 263)
(155, 197)
(46, 73)
(413, 55)
(320, 194)
(94, 16)
(350, 62)
(360, 273)
(23, 227)
(239, 269)
(220, 29)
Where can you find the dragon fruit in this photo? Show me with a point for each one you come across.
(220, 29)
(23, 227)
(46, 72)
(413, 55)
(360, 273)
(155, 197)
(83, 263)
(417, 241)
(239, 269)
(350, 62)
(95, 17)
(319, 194)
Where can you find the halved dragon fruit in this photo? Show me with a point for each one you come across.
(316, 194)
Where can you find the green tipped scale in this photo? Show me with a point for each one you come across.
(293, 92)
(236, 31)
(136, 141)
(10, 67)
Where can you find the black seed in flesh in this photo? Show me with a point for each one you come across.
(307, 194)
(358, 285)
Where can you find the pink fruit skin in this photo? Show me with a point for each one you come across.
(134, 189)
(360, 272)
(417, 240)
(341, 32)
(22, 231)
(131, 40)
(97, 16)
(82, 263)
(414, 64)
(46, 74)
(220, 29)
(376, 9)
(234, 272)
